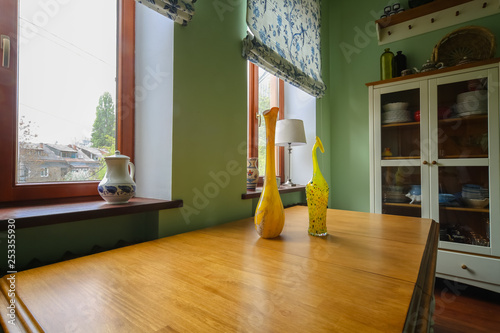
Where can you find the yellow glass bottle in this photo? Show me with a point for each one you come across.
(386, 64)
(270, 215)
(317, 196)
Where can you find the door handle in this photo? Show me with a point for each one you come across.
(5, 46)
(259, 118)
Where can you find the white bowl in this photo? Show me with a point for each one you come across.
(395, 106)
(395, 114)
(475, 107)
(477, 203)
(471, 96)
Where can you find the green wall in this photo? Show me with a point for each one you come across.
(324, 105)
(350, 25)
(210, 121)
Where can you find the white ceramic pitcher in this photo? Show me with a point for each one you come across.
(118, 186)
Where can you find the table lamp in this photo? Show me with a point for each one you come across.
(290, 132)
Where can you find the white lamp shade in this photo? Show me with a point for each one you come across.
(290, 131)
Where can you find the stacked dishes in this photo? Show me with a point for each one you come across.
(475, 196)
(446, 199)
(394, 193)
(472, 102)
(396, 113)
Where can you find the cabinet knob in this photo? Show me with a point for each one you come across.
(464, 266)
(425, 162)
(434, 162)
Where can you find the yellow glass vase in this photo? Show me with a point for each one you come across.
(269, 215)
(317, 196)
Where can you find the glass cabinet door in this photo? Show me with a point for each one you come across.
(400, 175)
(460, 166)
(464, 215)
(400, 125)
(401, 190)
(463, 119)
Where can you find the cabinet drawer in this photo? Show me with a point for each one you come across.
(469, 266)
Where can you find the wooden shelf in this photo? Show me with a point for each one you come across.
(468, 118)
(432, 16)
(419, 11)
(448, 120)
(462, 156)
(46, 212)
(437, 71)
(413, 123)
(395, 204)
(400, 157)
(466, 209)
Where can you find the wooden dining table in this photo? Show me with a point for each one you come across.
(371, 273)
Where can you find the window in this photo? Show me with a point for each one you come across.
(265, 91)
(44, 172)
(29, 25)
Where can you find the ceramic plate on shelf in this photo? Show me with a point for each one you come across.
(395, 106)
(471, 113)
(396, 120)
(396, 116)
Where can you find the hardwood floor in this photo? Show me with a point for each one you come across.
(463, 308)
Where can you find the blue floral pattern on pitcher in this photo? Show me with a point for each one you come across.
(117, 191)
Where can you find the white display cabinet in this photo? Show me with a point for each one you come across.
(435, 154)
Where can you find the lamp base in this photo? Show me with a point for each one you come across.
(289, 183)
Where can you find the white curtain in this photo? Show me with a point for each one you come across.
(284, 39)
(181, 11)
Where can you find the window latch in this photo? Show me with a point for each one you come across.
(5, 46)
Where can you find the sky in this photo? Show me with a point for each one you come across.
(67, 60)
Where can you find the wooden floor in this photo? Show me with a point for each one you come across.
(464, 308)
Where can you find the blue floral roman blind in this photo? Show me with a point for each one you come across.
(181, 11)
(284, 39)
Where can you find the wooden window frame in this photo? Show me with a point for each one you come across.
(253, 120)
(9, 190)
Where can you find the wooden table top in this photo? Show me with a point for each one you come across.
(362, 277)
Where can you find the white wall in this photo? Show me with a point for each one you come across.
(154, 95)
(300, 105)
